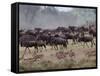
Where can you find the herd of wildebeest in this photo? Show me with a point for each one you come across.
(61, 36)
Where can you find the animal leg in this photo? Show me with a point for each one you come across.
(41, 48)
(87, 45)
(24, 53)
(92, 43)
(45, 47)
(73, 42)
(83, 44)
(59, 46)
(36, 49)
(65, 45)
(30, 52)
(62, 47)
(56, 47)
(80, 44)
(51, 47)
(67, 42)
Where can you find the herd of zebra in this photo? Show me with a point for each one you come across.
(60, 36)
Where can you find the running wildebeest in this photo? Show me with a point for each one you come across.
(86, 39)
(55, 41)
(28, 41)
(92, 31)
(72, 36)
(41, 38)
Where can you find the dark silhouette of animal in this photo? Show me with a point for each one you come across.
(29, 41)
(86, 39)
(72, 36)
(73, 29)
(43, 37)
(30, 32)
(63, 29)
(55, 41)
(60, 36)
(21, 33)
(29, 44)
(92, 31)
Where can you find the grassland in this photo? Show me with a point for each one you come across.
(84, 57)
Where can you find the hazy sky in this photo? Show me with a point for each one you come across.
(64, 9)
(52, 17)
(61, 9)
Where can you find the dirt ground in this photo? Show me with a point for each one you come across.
(74, 56)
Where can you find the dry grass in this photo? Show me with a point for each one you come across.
(50, 61)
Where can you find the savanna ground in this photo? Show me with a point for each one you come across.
(84, 57)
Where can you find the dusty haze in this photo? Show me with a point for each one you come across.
(50, 17)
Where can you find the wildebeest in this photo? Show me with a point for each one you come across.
(21, 32)
(83, 29)
(28, 41)
(86, 39)
(29, 44)
(56, 41)
(72, 36)
(41, 38)
(30, 32)
(92, 31)
(63, 29)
